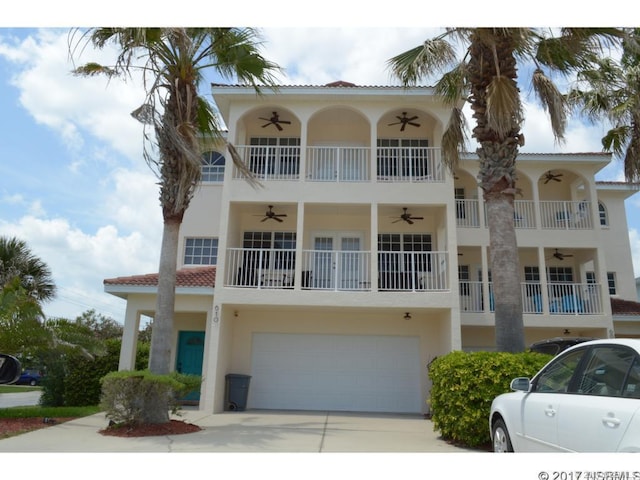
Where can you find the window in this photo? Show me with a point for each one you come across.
(275, 156)
(276, 249)
(611, 280)
(212, 167)
(403, 157)
(557, 376)
(532, 274)
(460, 206)
(201, 251)
(606, 371)
(591, 278)
(401, 258)
(560, 275)
(533, 291)
(463, 278)
(602, 212)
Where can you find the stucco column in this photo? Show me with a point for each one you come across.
(373, 261)
(129, 338)
(208, 388)
(297, 283)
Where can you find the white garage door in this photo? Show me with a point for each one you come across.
(335, 372)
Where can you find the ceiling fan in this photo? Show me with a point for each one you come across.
(552, 176)
(561, 256)
(404, 121)
(270, 214)
(407, 217)
(275, 120)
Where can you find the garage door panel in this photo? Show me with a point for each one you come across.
(335, 372)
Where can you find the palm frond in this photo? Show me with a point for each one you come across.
(452, 86)
(454, 139)
(632, 158)
(553, 101)
(504, 109)
(616, 140)
(431, 57)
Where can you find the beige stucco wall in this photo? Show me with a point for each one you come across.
(433, 329)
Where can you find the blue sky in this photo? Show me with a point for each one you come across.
(73, 183)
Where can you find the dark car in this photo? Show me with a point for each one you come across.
(554, 346)
(29, 377)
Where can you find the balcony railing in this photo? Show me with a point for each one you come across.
(338, 164)
(336, 270)
(564, 298)
(566, 215)
(412, 271)
(270, 162)
(409, 164)
(467, 213)
(342, 164)
(554, 215)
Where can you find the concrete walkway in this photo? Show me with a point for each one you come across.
(248, 432)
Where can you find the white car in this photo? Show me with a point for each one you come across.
(586, 399)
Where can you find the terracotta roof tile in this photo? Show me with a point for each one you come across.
(624, 307)
(185, 277)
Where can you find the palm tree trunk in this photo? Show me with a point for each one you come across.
(162, 332)
(509, 326)
(497, 176)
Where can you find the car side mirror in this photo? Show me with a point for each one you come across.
(9, 369)
(520, 384)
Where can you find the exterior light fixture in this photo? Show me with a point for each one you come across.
(407, 316)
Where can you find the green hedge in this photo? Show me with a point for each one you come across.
(74, 380)
(465, 384)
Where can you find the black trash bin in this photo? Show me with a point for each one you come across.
(236, 392)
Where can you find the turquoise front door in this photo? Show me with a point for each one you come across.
(189, 358)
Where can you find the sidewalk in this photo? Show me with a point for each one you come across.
(248, 432)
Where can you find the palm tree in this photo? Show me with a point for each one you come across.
(612, 90)
(174, 61)
(486, 77)
(17, 260)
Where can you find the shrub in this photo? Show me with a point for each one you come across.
(465, 384)
(133, 397)
(75, 380)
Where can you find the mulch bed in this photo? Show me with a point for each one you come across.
(15, 426)
(174, 427)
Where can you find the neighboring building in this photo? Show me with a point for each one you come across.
(361, 258)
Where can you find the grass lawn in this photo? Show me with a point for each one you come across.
(17, 388)
(51, 412)
(18, 420)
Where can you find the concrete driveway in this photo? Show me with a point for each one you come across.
(249, 432)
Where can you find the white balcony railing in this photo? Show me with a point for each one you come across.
(338, 164)
(260, 268)
(561, 215)
(564, 298)
(409, 164)
(270, 162)
(467, 213)
(336, 270)
(342, 164)
(413, 271)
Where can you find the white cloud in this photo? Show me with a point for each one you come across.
(75, 106)
(80, 261)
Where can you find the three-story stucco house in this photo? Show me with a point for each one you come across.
(360, 258)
